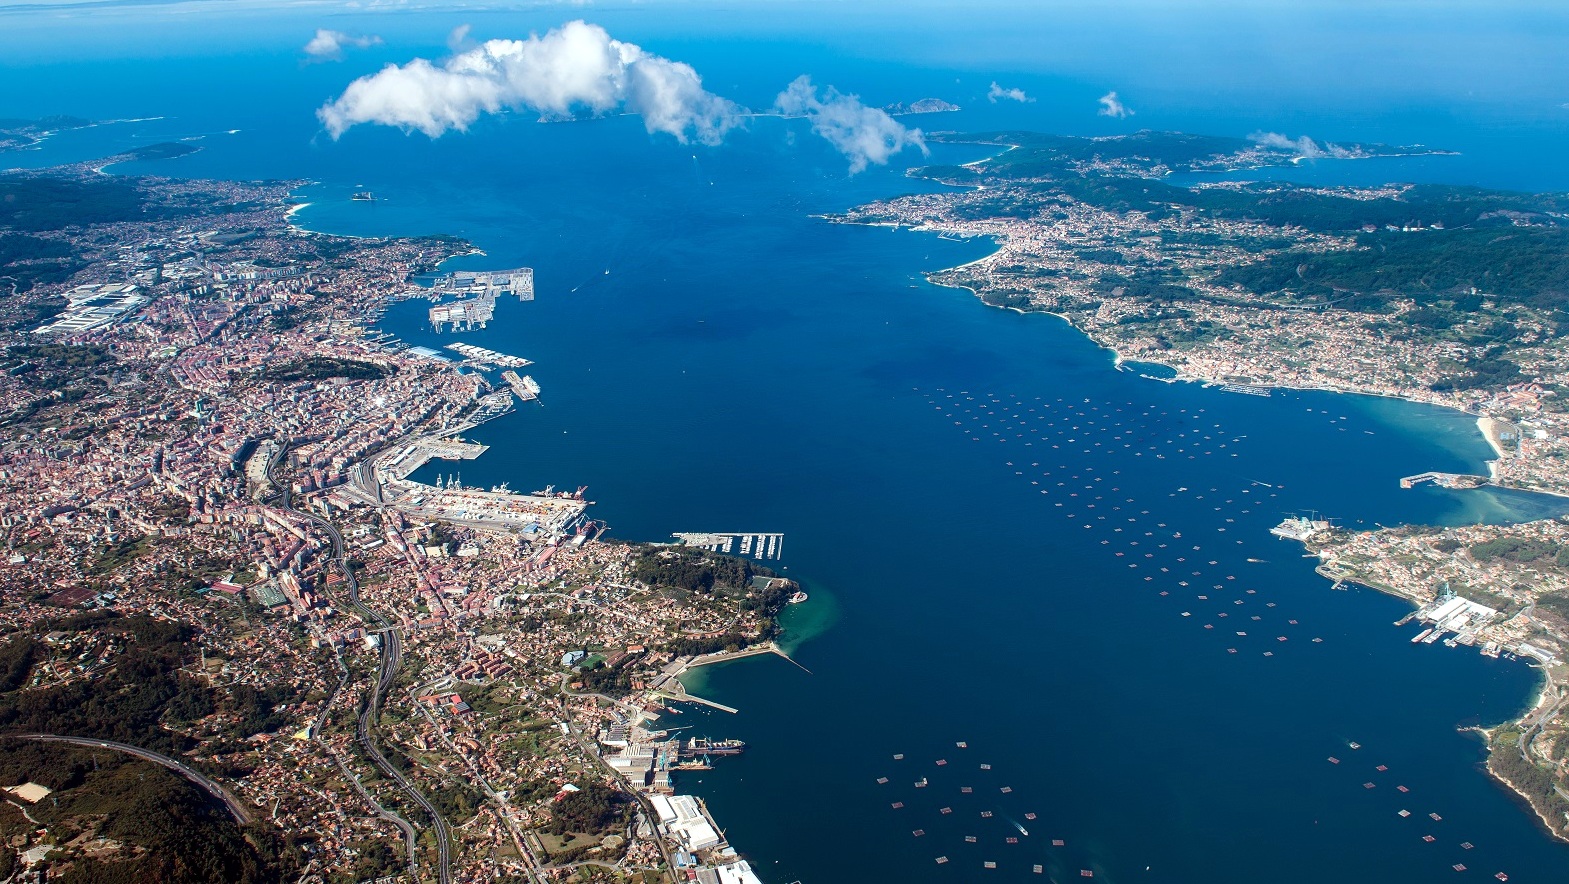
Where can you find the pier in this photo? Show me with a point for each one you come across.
(525, 387)
(684, 697)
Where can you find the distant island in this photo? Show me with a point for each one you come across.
(163, 150)
(923, 106)
(1457, 296)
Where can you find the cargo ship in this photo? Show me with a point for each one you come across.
(363, 196)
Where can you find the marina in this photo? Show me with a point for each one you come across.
(763, 546)
(1249, 389)
(1444, 480)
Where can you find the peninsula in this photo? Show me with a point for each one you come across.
(1454, 296)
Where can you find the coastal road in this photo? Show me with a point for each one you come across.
(236, 809)
(391, 661)
(1532, 724)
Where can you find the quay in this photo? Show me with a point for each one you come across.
(526, 388)
(418, 452)
(477, 292)
(488, 283)
(1452, 613)
(466, 313)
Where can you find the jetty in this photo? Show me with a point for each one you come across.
(668, 685)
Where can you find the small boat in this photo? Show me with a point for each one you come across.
(363, 196)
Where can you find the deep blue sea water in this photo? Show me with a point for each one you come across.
(963, 489)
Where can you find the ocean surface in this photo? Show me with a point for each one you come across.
(1009, 544)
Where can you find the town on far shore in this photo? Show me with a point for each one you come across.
(1453, 296)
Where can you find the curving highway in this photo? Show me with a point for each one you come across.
(236, 809)
(391, 661)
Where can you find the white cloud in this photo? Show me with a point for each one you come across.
(1302, 147)
(1112, 106)
(865, 135)
(458, 39)
(573, 70)
(329, 45)
(997, 93)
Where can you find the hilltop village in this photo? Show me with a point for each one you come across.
(1451, 296)
(217, 558)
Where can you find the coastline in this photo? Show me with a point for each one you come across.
(1485, 424)
(1520, 794)
(455, 247)
(1486, 427)
(1541, 701)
